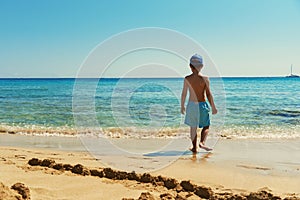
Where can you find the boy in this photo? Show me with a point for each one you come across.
(197, 111)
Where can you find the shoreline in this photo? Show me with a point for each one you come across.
(224, 132)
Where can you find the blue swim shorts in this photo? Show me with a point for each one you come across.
(197, 114)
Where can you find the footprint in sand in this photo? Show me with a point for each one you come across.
(20, 156)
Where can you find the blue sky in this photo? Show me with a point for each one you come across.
(51, 38)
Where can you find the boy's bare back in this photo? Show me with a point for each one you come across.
(197, 87)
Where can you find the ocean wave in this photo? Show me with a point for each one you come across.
(228, 132)
(285, 113)
(109, 132)
(260, 132)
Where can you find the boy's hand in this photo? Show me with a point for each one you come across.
(182, 110)
(214, 111)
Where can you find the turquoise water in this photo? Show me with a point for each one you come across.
(247, 106)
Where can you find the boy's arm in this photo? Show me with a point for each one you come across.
(210, 97)
(183, 95)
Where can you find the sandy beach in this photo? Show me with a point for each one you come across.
(233, 167)
(99, 100)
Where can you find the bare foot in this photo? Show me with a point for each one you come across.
(202, 146)
(194, 150)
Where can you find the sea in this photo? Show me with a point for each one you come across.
(248, 107)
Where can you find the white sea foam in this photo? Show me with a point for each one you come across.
(229, 132)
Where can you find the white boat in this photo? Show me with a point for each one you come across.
(292, 75)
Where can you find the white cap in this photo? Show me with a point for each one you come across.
(197, 61)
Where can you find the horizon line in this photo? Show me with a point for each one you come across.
(136, 77)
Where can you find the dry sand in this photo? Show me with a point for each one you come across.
(235, 166)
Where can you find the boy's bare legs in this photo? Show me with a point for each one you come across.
(204, 134)
(193, 132)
